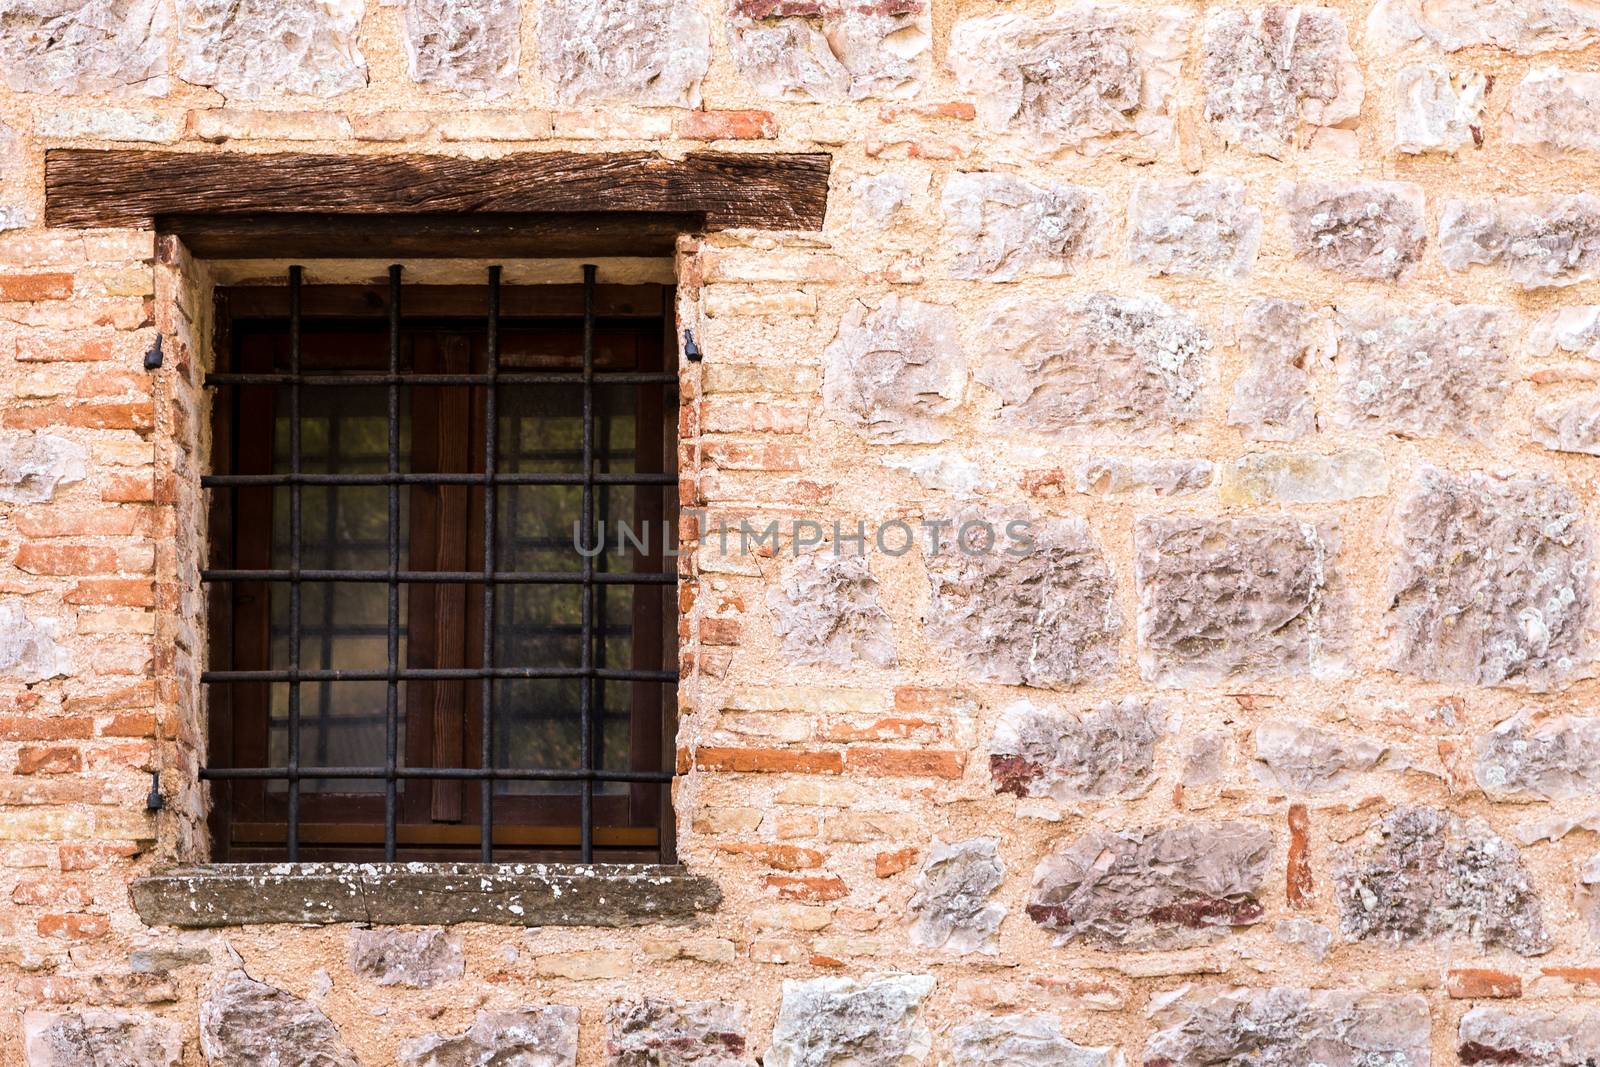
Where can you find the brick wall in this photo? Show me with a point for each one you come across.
(1276, 330)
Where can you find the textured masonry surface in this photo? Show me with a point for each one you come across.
(1279, 327)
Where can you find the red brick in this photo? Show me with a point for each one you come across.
(135, 415)
(49, 759)
(131, 724)
(906, 762)
(94, 856)
(128, 698)
(783, 857)
(720, 631)
(1299, 886)
(66, 559)
(52, 892)
(741, 415)
(64, 522)
(64, 349)
(751, 456)
(889, 864)
(73, 927)
(919, 699)
(30, 287)
(812, 889)
(774, 760)
(948, 109)
(727, 125)
(1468, 983)
(129, 489)
(892, 728)
(45, 727)
(117, 592)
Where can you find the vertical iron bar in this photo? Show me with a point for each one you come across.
(585, 683)
(293, 831)
(490, 444)
(391, 715)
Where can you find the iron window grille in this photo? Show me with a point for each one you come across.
(283, 788)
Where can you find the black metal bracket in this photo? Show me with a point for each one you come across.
(152, 358)
(691, 351)
(154, 802)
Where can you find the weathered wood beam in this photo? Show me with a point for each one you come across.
(133, 189)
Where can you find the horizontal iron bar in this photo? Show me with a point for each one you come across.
(471, 774)
(222, 378)
(224, 481)
(438, 674)
(444, 577)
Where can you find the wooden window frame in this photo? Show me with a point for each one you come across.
(438, 819)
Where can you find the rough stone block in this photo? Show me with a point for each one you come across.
(1047, 617)
(250, 49)
(92, 1038)
(1303, 477)
(1269, 70)
(1424, 874)
(1574, 330)
(650, 52)
(466, 46)
(880, 200)
(1234, 599)
(1440, 370)
(29, 648)
(1435, 111)
(1153, 888)
(1001, 226)
(1529, 1038)
(1571, 425)
(1022, 1041)
(1556, 111)
(948, 472)
(827, 1021)
(525, 1037)
(64, 47)
(1116, 475)
(1090, 78)
(952, 909)
(1193, 226)
(32, 466)
(1524, 26)
(827, 52)
(656, 1032)
(417, 958)
(1289, 1027)
(1361, 229)
(1118, 365)
(826, 611)
(1527, 756)
(1547, 239)
(1107, 752)
(896, 373)
(1307, 758)
(1491, 582)
(1280, 340)
(244, 1023)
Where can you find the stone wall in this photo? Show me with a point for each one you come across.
(1278, 328)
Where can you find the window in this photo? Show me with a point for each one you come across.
(411, 658)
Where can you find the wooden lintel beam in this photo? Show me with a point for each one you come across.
(90, 188)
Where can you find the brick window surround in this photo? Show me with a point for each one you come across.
(395, 209)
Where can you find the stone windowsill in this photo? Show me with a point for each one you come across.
(510, 894)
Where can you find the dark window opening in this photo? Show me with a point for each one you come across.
(410, 657)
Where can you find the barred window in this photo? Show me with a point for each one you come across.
(421, 646)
